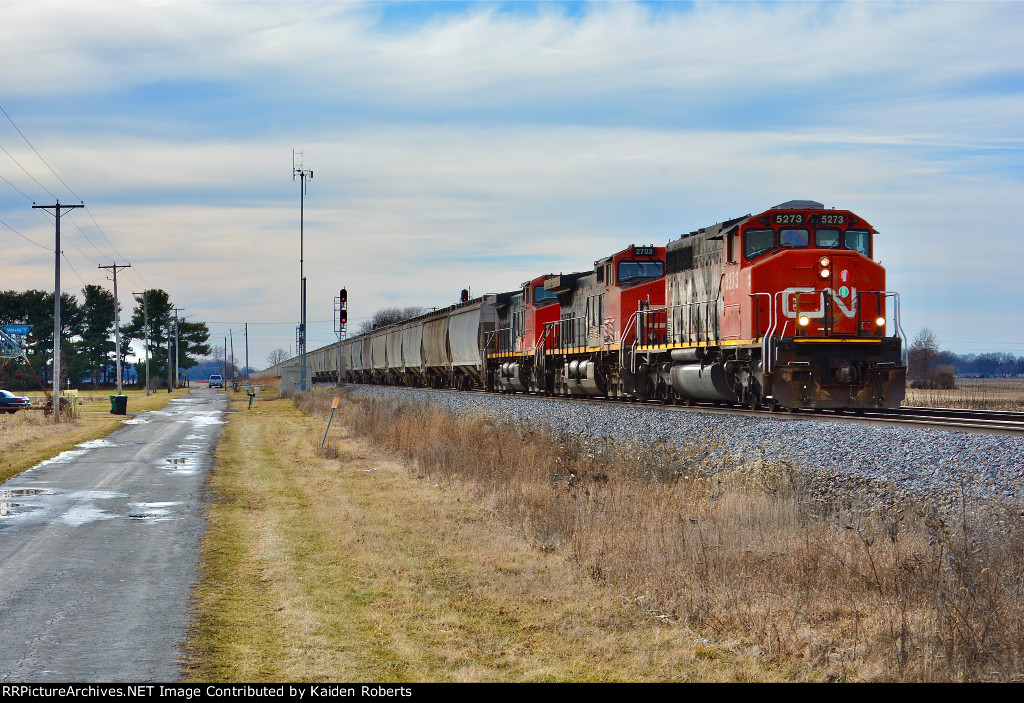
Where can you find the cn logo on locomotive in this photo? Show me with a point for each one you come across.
(791, 295)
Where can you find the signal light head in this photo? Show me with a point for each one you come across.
(344, 295)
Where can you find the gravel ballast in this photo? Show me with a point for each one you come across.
(886, 461)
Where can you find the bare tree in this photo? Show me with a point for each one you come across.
(389, 316)
(923, 371)
(276, 357)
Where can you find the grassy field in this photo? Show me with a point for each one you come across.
(420, 546)
(343, 566)
(27, 437)
(973, 393)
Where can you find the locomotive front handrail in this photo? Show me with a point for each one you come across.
(897, 327)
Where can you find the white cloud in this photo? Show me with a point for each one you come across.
(540, 139)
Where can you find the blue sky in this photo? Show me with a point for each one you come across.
(479, 144)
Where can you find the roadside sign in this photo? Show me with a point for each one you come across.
(335, 403)
(17, 329)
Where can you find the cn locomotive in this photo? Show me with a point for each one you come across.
(784, 309)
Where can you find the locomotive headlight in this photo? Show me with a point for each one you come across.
(880, 321)
(824, 262)
(804, 320)
(824, 273)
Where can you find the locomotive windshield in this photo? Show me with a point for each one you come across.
(791, 238)
(540, 295)
(827, 238)
(757, 242)
(628, 270)
(859, 240)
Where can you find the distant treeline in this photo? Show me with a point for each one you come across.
(985, 365)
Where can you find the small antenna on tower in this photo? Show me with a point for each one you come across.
(300, 168)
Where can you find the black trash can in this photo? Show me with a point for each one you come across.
(118, 405)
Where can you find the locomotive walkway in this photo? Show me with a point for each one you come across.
(100, 550)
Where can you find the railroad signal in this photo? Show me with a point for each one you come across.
(464, 297)
(344, 316)
(344, 295)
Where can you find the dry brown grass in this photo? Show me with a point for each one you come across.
(972, 393)
(739, 553)
(348, 569)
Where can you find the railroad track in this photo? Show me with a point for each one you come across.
(1003, 422)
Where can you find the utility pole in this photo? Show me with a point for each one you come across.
(234, 371)
(302, 173)
(117, 322)
(246, 354)
(56, 304)
(177, 363)
(225, 357)
(170, 386)
(145, 317)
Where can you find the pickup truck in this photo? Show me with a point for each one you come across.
(216, 381)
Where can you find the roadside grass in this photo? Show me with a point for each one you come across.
(27, 437)
(973, 394)
(359, 568)
(745, 558)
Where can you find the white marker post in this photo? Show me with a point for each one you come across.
(334, 405)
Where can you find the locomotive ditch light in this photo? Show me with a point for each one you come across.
(824, 262)
(880, 321)
(824, 273)
(804, 320)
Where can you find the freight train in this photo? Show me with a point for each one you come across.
(784, 309)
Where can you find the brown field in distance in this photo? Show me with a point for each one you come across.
(973, 394)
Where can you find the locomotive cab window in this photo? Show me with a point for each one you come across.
(858, 240)
(628, 270)
(827, 238)
(793, 238)
(757, 242)
(541, 295)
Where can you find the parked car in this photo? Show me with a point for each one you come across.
(216, 381)
(10, 403)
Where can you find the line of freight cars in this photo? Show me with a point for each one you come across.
(786, 308)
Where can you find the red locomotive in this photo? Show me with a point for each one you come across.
(785, 307)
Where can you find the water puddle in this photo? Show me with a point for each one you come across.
(203, 418)
(22, 492)
(140, 420)
(82, 514)
(151, 512)
(97, 444)
(185, 465)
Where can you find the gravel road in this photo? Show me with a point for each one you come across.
(99, 550)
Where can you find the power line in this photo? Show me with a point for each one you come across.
(40, 156)
(17, 189)
(41, 246)
(27, 173)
